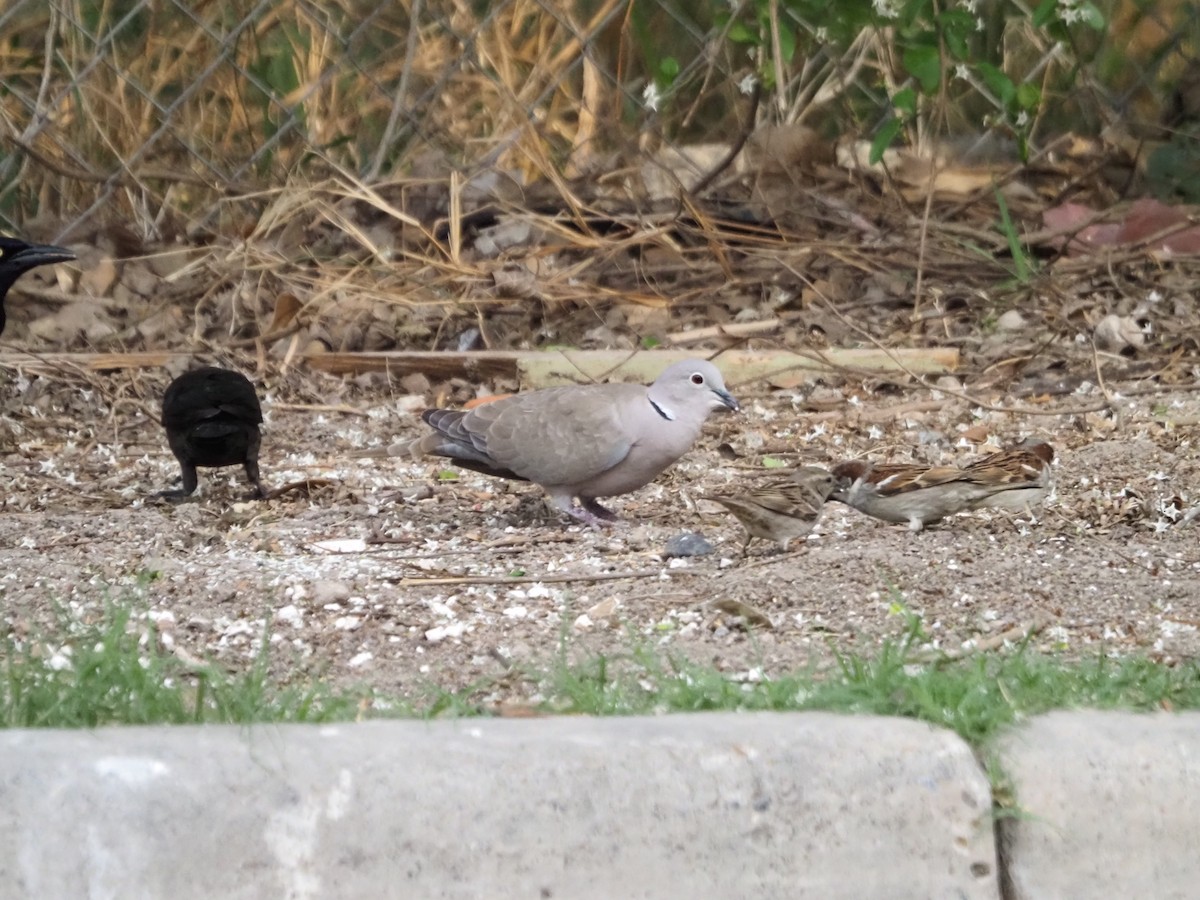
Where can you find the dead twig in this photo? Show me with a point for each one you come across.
(1108, 396)
(1009, 636)
(511, 542)
(340, 408)
(743, 136)
(304, 487)
(404, 581)
(961, 395)
(873, 416)
(730, 330)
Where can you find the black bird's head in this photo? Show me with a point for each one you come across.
(18, 257)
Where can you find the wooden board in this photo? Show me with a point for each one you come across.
(533, 369)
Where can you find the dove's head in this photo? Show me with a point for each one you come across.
(691, 390)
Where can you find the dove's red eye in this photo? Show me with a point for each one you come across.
(697, 378)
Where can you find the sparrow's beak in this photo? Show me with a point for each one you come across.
(844, 481)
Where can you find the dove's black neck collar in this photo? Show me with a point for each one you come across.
(663, 411)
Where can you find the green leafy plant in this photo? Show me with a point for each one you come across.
(927, 56)
(113, 671)
(1024, 268)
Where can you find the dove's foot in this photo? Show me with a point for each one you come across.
(589, 518)
(602, 513)
(591, 513)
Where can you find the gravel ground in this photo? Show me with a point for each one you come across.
(387, 574)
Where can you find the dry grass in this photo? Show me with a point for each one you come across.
(336, 155)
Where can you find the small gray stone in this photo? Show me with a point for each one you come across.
(329, 592)
(416, 493)
(1011, 321)
(687, 544)
(161, 565)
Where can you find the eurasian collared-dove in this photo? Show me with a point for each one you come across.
(584, 441)
(781, 510)
(212, 417)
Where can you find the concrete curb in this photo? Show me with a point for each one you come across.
(706, 805)
(711, 805)
(1107, 806)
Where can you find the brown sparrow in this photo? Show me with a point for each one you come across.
(1013, 480)
(783, 509)
(1016, 479)
(916, 495)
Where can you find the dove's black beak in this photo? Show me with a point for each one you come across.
(727, 399)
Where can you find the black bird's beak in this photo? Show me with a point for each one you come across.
(41, 255)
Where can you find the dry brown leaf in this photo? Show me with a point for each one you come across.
(750, 614)
(287, 307)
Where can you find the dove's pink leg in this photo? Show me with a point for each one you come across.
(588, 518)
(600, 512)
(589, 513)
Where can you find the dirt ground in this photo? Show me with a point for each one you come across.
(389, 576)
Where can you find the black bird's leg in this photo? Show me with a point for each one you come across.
(251, 465)
(189, 483)
(189, 478)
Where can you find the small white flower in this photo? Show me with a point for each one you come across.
(747, 84)
(1022, 119)
(886, 9)
(970, 5)
(961, 71)
(979, 23)
(651, 97)
(821, 35)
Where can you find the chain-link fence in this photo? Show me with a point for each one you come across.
(173, 116)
